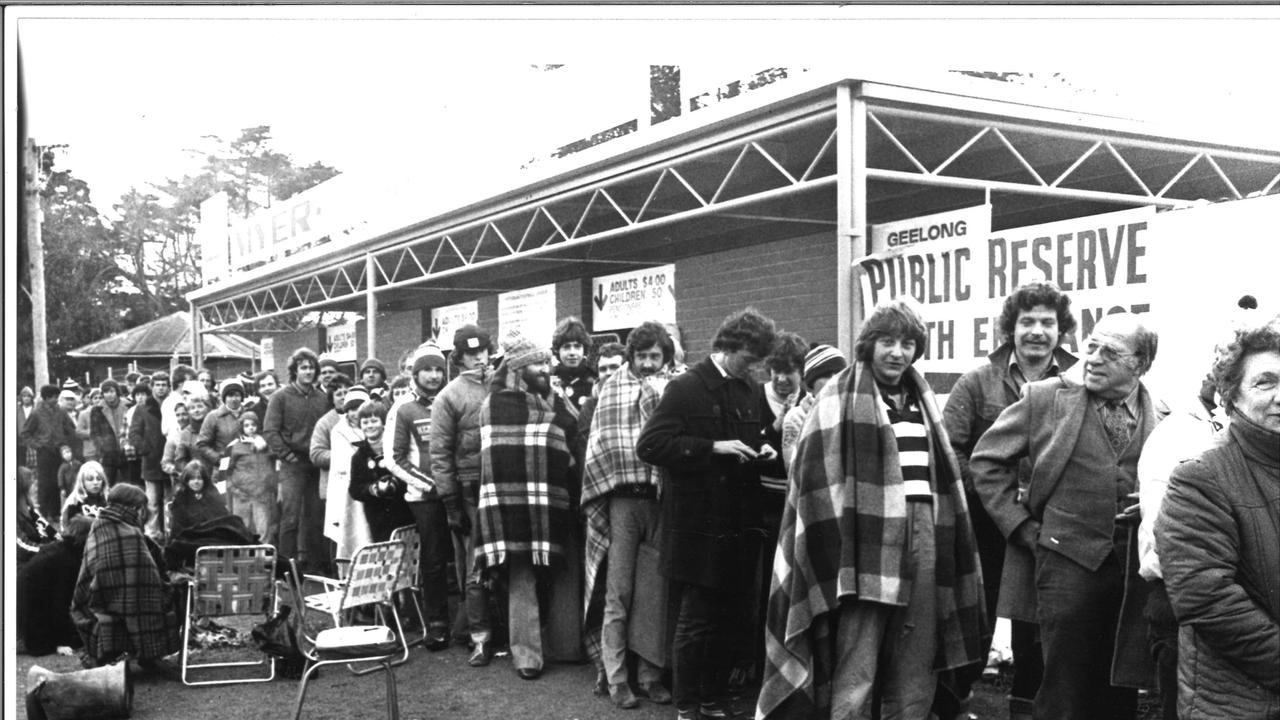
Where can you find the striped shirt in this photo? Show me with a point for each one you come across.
(913, 445)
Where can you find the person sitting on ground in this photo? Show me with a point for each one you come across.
(32, 530)
(196, 500)
(45, 585)
(123, 604)
(88, 496)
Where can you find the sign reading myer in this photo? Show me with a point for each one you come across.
(968, 222)
(627, 299)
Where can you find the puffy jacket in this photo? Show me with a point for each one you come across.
(455, 434)
(221, 427)
(1218, 537)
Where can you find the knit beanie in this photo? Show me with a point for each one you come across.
(470, 338)
(427, 355)
(356, 396)
(521, 351)
(327, 360)
(822, 361)
(376, 364)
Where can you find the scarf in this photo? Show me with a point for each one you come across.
(525, 475)
(624, 402)
(844, 535)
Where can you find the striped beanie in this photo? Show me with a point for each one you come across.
(822, 361)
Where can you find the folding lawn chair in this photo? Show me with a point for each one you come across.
(230, 581)
(407, 580)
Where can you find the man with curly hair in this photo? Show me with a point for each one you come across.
(705, 432)
(571, 346)
(1034, 320)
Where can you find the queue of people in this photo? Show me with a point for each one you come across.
(775, 514)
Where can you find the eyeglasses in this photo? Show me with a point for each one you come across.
(1106, 352)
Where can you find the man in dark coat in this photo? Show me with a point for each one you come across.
(1079, 514)
(706, 433)
(1035, 317)
(48, 428)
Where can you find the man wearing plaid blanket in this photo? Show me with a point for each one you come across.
(528, 489)
(620, 502)
(706, 433)
(876, 579)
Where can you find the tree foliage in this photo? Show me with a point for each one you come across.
(103, 276)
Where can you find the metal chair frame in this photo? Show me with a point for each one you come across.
(407, 580)
(374, 570)
(230, 580)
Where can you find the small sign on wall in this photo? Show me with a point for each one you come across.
(532, 311)
(446, 320)
(342, 342)
(267, 352)
(625, 300)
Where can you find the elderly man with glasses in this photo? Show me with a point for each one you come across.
(1079, 515)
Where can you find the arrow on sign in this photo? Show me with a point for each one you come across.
(600, 297)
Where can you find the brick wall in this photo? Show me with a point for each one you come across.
(286, 343)
(397, 332)
(791, 281)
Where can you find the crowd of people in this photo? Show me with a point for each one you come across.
(774, 515)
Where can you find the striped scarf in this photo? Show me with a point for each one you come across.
(844, 535)
(625, 401)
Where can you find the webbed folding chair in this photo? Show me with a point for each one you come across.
(230, 581)
(407, 586)
(369, 584)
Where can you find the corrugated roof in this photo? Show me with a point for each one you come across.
(165, 337)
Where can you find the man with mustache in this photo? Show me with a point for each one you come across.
(1034, 319)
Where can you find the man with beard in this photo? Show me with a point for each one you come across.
(1034, 319)
(570, 344)
(455, 466)
(620, 502)
(408, 445)
(528, 488)
(291, 417)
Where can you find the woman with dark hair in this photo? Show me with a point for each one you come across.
(122, 604)
(571, 347)
(196, 500)
(1218, 540)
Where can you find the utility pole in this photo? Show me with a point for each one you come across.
(33, 182)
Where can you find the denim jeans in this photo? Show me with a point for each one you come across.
(701, 650)
(526, 596)
(475, 604)
(631, 522)
(433, 529)
(301, 514)
(886, 651)
(1078, 612)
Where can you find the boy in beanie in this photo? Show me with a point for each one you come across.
(373, 376)
(407, 443)
(528, 489)
(454, 446)
(821, 363)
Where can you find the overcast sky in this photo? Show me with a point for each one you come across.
(455, 93)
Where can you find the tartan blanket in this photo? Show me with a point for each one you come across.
(525, 477)
(844, 535)
(122, 602)
(624, 402)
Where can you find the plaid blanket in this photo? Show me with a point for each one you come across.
(525, 477)
(844, 535)
(624, 402)
(122, 602)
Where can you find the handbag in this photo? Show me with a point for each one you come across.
(274, 636)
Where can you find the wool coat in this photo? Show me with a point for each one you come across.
(710, 502)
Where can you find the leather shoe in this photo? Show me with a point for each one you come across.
(437, 639)
(656, 693)
(622, 696)
(529, 673)
(602, 684)
(480, 655)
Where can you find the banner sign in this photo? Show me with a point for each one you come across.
(1101, 262)
(974, 222)
(532, 311)
(342, 342)
(627, 299)
(211, 235)
(446, 320)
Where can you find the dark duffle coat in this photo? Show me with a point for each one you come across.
(709, 502)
